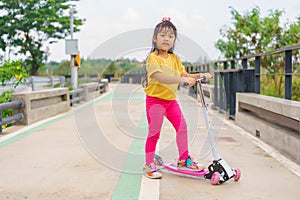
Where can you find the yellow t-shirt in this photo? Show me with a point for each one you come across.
(170, 66)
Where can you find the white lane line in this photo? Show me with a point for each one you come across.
(149, 189)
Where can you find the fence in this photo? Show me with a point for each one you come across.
(13, 118)
(228, 81)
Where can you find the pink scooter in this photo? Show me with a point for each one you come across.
(219, 171)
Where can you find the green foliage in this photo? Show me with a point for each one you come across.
(111, 68)
(92, 67)
(251, 33)
(70, 87)
(296, 89)
(15, 74)
(6, 97)
(12, 71)
(27, 26)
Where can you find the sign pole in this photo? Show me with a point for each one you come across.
(74, 73)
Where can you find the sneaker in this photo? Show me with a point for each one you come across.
(190, 165)
(151, 171)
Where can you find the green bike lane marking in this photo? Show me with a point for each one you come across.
(129, 184)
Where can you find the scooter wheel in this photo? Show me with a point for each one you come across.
(237, 174)
(215, 178)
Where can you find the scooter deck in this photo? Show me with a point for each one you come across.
(173, 167)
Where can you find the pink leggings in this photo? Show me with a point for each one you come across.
(156, 110)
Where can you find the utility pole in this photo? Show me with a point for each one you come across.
(74, 72)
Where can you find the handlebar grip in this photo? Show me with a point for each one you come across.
(185, 84)
(203, 78)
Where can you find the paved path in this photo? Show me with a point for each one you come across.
(96, 150)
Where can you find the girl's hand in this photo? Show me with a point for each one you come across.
(207, 76)
(190, 81)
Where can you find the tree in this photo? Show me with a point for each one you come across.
(251, 34)
(27, 26)
(111, 68)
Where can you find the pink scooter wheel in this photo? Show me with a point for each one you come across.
(215, 178)
(237, 174)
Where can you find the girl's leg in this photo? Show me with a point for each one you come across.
(155, 114)
(175, 116)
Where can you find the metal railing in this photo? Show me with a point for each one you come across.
(76, 96)
(257, 65)
(42, 81)
(227, 82)
(13, 118)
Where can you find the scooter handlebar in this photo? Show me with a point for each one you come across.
(203, 78)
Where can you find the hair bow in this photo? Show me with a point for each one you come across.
(166, 19)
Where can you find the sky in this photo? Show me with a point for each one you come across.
(198, 21)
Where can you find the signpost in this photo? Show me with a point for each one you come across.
(72, 49)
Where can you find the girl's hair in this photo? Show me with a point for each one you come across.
(166, 23)
(162, 25)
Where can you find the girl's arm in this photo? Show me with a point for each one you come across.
(185, 78)
(198, 75)
(165, 79)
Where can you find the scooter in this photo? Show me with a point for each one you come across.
(219, 171)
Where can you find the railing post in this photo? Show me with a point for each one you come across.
(222, 104)
(232, 89)
(225, 65)
(52, 81)
(0, 121)
(244, 63)
(227, 91)
(62, 81)
(288, 75)
(216, 96)
(32, 83)
(257, 74)
(232, 64)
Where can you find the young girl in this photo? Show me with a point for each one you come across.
(164, 72)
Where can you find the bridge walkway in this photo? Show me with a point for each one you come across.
(96, 150)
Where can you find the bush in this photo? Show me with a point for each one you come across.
(6, 97)
(12, 71)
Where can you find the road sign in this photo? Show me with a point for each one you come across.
(71, 46)
(77, 60)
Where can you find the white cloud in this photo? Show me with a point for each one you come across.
(131, 14)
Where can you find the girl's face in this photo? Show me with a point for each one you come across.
(165, 39)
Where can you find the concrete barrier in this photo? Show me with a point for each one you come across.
(91, 91)
(275, 121)
(42, 104)
(103, 84)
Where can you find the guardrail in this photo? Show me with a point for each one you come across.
(228, 79)
(13, 118)
(88, 91)
(42, 81)
(76, 96)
